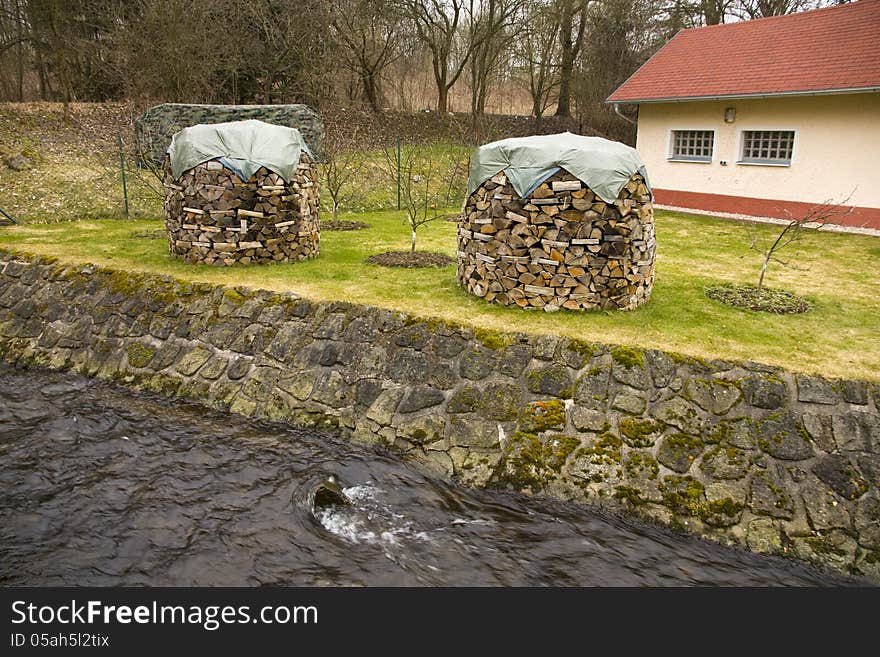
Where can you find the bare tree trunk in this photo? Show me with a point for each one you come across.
(566, 63)
(412, 248)
(20, 50)
(44, 82)
(442, 97)
(713, 11)
(763, 271)
(571, 47)
(371, 91)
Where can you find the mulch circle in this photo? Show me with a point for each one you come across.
(344, 224)
(410, 260)
(767, 300)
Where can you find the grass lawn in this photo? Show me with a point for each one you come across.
(840, 337)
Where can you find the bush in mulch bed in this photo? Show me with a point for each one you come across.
(344, 224)
(748, 297)
(410, 259)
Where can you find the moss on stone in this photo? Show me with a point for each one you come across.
(723, 512)
(682, 442)
(499, 403)
(162, 384)
(465, 400)
(605, 451)
(639, 464)
(692, 361)
(679, 450)
(557, 449)
(684, 495)
(492, 339)
(628, 356)
(550, 381)
(539, 416)
(629, 495)
(529, 463)
(637, 432)
(720, 433)
(585, 349)
(521, 468)
(822, 545)
(234, 296)
(284, 300)
(136, 284)
(139, 354)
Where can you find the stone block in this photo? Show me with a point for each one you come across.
(816, 390)
(856, 430)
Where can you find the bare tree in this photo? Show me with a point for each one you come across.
(438, 24)
(764, 8)
(418, 175)
(813, 220)
(622, 36)
(572, 27)
(340, 167)
(493, 26)
(714, 11)
(540, 54)
(371, 34)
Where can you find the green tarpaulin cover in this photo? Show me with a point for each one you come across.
(604, 166)
(243, 146)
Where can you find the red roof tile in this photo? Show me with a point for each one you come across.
(836, 48)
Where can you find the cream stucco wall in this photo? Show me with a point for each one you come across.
(836, 148)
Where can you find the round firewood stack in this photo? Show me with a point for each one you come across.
(561, 247)
(214, 217)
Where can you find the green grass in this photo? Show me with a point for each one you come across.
(839, 337)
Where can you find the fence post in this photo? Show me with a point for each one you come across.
(122, 168)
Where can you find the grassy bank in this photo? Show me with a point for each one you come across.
(839, 337)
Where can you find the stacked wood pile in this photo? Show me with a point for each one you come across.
(561, 247)
(213, 217)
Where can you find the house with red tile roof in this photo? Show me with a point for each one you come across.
(766, 118)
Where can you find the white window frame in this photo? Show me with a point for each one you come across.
(741, 144)
(670, 146)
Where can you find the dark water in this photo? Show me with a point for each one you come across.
(99, 486)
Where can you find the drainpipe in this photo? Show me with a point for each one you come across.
(624, 117)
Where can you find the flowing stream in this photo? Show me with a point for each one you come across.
(103, 486)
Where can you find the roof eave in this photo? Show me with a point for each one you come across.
(775, 94)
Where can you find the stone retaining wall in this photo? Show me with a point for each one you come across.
(739, 452)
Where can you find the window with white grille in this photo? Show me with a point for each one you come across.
(767, 146)
(692, 145)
